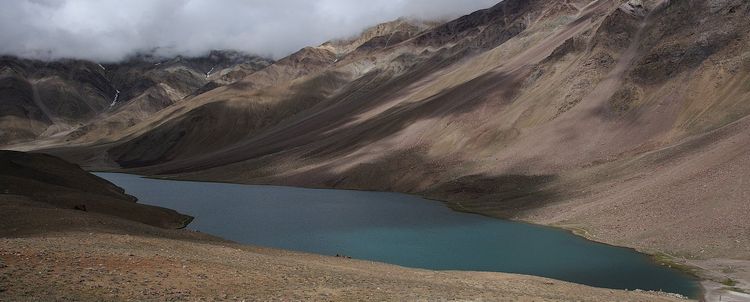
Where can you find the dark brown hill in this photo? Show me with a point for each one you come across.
(33, 187)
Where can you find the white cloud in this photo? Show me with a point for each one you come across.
(109, 30)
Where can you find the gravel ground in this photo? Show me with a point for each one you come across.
(75, 266)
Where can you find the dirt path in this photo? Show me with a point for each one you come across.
(716, 292)
(727, 280)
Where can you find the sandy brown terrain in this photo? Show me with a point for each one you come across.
(84, 266)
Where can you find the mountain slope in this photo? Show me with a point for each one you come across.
(36, 96)
(39, 193)
(625, 119)
(519, 103)
(70, 98)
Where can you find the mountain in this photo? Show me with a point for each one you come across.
(623, 120)
(42, 99)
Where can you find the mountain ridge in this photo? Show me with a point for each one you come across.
(620, 118)
(64, 95)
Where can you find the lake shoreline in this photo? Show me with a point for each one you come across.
(655, 259)
(78, 266)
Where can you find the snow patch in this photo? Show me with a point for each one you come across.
(114, 102)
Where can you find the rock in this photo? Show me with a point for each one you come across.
(634, 8)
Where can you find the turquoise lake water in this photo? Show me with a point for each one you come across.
(400, 229)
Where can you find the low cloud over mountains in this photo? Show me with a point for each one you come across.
(109, 30)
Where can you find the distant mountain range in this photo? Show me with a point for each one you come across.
(41, 99)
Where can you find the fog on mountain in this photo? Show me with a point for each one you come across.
(110, 30)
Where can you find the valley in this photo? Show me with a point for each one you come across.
(625, 122)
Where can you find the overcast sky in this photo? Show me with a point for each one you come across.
(108, 30)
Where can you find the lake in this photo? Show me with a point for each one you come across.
(400, 229)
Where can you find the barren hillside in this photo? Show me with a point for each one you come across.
(624, 120)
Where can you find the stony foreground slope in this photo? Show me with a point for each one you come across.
(98, 267)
